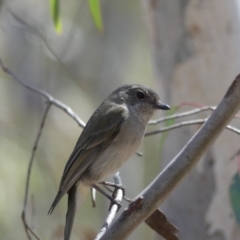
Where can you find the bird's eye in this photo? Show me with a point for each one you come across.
(140, 95)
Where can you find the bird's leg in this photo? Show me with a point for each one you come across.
(113, 201)
(117, 186)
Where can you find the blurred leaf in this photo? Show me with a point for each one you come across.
(55, 12)
(168, 123)
(96, 13)
(159, 223)
(234, 192)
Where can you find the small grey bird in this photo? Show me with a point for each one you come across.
(111, 136)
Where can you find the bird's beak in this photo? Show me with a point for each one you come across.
(162, 106)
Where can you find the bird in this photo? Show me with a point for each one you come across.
(111, 136)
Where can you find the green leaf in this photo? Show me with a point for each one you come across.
(95, 10)
(234, 192)
(55, 13)
(168, 123)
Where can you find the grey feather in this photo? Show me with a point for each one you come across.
(71, 212)
(89, 146)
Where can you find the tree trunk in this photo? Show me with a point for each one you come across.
(196, 54)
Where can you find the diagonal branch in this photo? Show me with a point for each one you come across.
(158, 222)
(44, 94)
(178, 168)
(44, 40)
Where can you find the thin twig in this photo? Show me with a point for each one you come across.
(174, 126)
(26, 225)
(187, 123)
(69, 112)
(33, 212)
(45, 94)
(50, 101)
(182, 114)
(233, 129)
(44, 40)
(114, 208)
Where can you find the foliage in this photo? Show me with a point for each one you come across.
(94, 7)
(55, 13)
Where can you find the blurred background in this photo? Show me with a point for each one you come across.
(187, 50)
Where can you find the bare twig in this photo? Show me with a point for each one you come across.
(33, 212)
(50, 101)
(44, 94)
(114, 208)
(26, 225)
(174, 126)
(168, 179)
(187, 123)
(233, 129)
(44, 40)
(182, 114)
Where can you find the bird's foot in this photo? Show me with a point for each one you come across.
(116, 186)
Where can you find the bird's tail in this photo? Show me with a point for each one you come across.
(75, 199)
(72, 197)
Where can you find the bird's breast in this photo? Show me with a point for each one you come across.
(120, 149)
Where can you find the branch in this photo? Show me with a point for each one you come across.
(180, 115)
(50, 101)
(26, 225)
(44, 94)
(174, 126)
(187, 123)
(178, 168)
(44, 40)
(114, 208)
(184, 114)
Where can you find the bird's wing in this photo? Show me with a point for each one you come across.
(98, 134)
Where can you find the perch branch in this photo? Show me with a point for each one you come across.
(114, 208)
